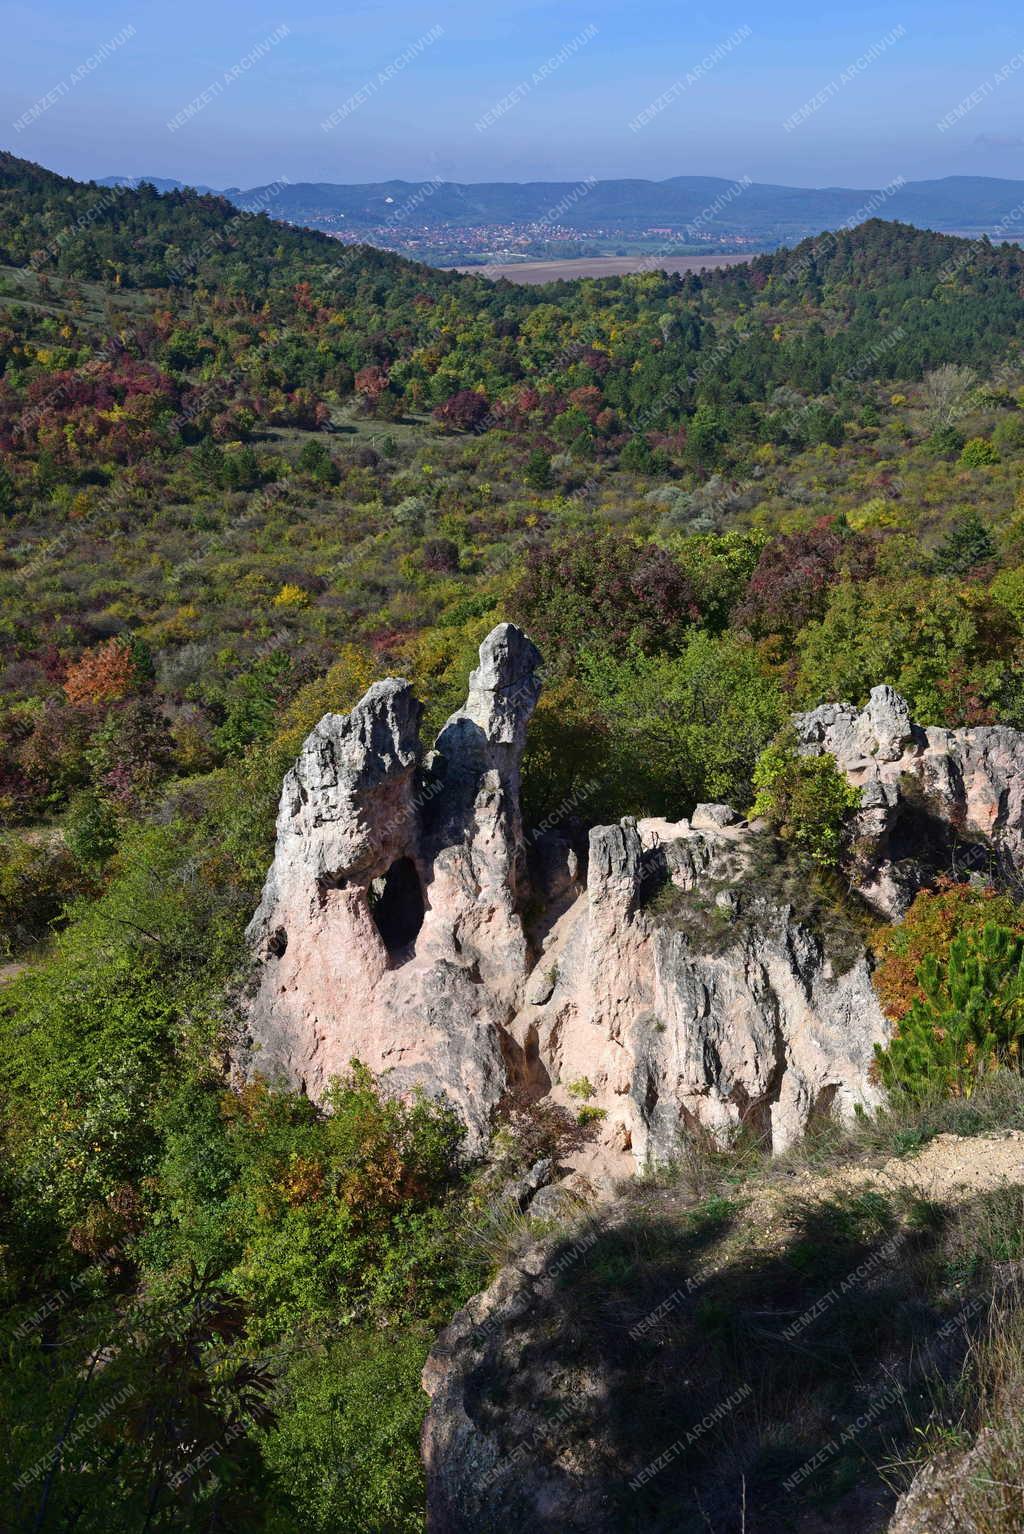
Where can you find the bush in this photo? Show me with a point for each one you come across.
(316, 461)
(604, 589)
(102, 674)
(686, 727)
(978, 453)
(465, 410)
(967, 1022)
(791, 582)
(90, 828)
(968, 543)
(1008, 436)
(344, 1447)
(537, 473)
(945, 441)
(441, 555)
(935, 919)
(36, 881)
(936, 643)
(806, 799)
(308, 1214)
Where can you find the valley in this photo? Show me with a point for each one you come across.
(511, 826)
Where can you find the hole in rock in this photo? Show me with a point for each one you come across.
(396, 902)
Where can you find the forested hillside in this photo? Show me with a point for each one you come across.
(245, 472)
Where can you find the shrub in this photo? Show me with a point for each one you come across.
(252, 705)
(291, 596)
(935, 643)
(686, 727)
(805, 798)
(316, 461)
(336, 692)
(719, 567)
(36, 881)
(604, 589)
(968, 543)
(90, 828)
(791, 581)
(8, 495)
(935, 919)
(441, 555)
(102, 674)
(537, 473)
(464, 410)
(966, 1023)
(344, 1446)
(978, 453)
(945, 441)
(1008, 436)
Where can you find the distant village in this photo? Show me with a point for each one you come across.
(486, 244)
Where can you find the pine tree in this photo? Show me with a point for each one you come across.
(968, 543)
(969, 1022)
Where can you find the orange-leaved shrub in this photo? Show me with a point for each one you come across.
(101, 675)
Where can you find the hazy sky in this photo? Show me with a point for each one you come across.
(239, 94)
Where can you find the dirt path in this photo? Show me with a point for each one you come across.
(948, 1170)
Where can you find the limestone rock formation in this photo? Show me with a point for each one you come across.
(390, 929)
(669, 979)
(932, 800)
(686, 994)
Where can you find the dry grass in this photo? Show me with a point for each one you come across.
(992, 1491)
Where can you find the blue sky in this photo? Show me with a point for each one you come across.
(567, 81)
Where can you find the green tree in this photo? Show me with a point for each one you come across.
(317, 462)
(8, 496)
(685, 727)
(636, 456)
(968, 543)
(537, 473)
(90, 828)
(253, 703)
(926, 638)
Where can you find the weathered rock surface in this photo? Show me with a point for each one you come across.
(686, 997)
(939, 1498)
(495, 1471)
(932, 799)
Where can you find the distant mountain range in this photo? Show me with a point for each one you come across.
(954, 204)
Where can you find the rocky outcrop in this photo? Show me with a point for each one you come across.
(938, 1499)
(390, 927)
(932, 800)
(686, 993)
(676, 989)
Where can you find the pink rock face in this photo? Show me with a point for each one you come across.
(391, 930)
